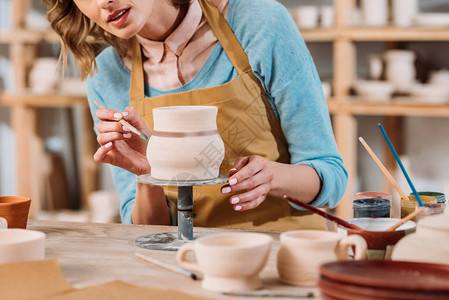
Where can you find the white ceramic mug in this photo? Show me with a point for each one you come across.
(375, 12)
(229, 261)
(307, 16)
(404, 11)
(3, 223)
(21, 245)
(303, 251)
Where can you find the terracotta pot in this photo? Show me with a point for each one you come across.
(185, 144)
(15, 210)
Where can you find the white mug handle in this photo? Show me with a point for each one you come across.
(181, 257)
(358, 242)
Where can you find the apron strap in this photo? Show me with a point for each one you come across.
(226, 37)
(137, 84)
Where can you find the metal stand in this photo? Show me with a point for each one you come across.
(168, 241)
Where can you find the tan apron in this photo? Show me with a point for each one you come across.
(247, 126)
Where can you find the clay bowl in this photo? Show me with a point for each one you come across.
(375, 235)
(15, 210)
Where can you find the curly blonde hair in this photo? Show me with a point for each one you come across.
(76, 32)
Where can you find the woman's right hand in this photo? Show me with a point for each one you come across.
(120, 147)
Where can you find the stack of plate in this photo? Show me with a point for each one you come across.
(384, 279)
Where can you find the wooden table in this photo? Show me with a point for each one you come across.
(91, 254)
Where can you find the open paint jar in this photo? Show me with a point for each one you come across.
(441, 197)
(407, 207)
(371, 207)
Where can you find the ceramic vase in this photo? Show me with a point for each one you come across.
(185, 144)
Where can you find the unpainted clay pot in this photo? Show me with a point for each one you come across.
(15, 210)
(185, 144)
(430, 242)
(229, 261)
(21, 245)
(303, 251)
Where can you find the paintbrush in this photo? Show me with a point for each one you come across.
(409, 217)
(324, 214)
(398, 160)
(127, 125)
(271, 294)
(384, 170)
(181, 271)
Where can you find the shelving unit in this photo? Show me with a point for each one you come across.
(25, 108)
(345, 108)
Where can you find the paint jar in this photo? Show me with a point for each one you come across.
(365, 195)
(407, 207)
(430, 209)
(441, 197)
(371, 207)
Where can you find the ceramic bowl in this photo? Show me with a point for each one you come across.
(21, 245)
(373, 90)
(432, 19)
(435, 93)
(375, 235)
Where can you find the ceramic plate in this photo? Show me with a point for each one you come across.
(339, 290)
(412, 276)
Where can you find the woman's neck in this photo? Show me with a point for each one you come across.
(164, 19)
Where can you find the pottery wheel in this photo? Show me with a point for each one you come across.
(169, 241)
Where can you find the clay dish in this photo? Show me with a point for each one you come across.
(15, 210)
(388, 274)
(375, 235)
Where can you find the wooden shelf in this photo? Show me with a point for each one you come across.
(319, 35)
(28, 36)
(374, 34)
(355, 106)
(38, 100)
(395, 34)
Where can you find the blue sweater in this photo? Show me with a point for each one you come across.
(280, 59)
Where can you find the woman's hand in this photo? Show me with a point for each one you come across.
(120, 147)
(252, 174)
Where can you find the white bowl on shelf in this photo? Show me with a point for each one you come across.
(374, 90)
(433, 93)
(432, 19)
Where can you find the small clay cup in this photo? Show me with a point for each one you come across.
(229, 261)
(15, 210)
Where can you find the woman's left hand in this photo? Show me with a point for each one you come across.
(252, 174)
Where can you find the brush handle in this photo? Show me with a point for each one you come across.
(396, 156)
(323, 214)
(383, 169)
(409, 217)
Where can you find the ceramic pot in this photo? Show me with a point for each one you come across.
(303, 251)
(185, 144)
(400, 68)
(15, 210)
(375, 13)
(429, 244)
(21, 245)
(229, 261)
(377, 239)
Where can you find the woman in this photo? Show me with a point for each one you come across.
(247, 58)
